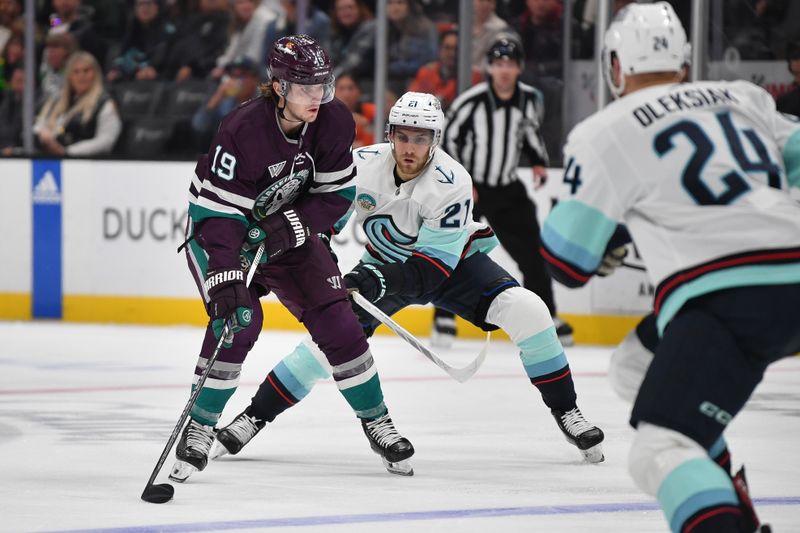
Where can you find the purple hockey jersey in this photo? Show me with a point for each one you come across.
(253, 169)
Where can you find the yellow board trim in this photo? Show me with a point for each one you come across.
(15, 306)
(589, 329)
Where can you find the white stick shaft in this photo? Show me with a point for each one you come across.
(459, 374)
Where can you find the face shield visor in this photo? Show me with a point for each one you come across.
(308, 95)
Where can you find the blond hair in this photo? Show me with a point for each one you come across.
(62, 109)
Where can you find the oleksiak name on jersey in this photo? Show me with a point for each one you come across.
(681, 99)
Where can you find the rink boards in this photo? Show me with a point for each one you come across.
(96, 241)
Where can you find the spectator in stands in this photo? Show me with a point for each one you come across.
(541, 34)
(10, 20)
(412, 42)
(11, 57)
(58, 48)
(239, 84)
(200, 40)
(790, 101)
(146, 45)
(351, 44)
(285, 23)
(439, 77)
(487, 27)
(246, 35)
(11, 114)
(83, 120)
(349, 92)
(72, 17)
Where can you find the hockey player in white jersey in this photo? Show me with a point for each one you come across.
(414, 203)
(697, 173)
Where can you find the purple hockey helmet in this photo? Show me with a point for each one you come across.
(300, 60)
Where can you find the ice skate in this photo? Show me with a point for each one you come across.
(750, 520)
(580, 433)
(384, 440)
(443, 333)
(192, 451)
(232, 438)
(564, 332)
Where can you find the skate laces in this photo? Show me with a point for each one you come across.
(244, 428)
(574, 422)
(382, 430)
(198, 437)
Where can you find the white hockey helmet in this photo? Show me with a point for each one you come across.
(418, 110)
(643, 38)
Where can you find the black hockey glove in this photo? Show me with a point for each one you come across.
(367, 280)
(229, 299)
(279, 232)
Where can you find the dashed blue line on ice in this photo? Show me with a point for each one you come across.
(302, 521)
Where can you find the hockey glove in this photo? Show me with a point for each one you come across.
(229, 299)
(368, 280)
(612, 261)
(279, 232)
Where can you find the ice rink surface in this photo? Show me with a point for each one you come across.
(86, 410)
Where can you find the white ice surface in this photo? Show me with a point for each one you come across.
(86, 410)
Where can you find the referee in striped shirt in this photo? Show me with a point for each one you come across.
(489, 127)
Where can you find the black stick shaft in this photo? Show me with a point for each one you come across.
(196, 392)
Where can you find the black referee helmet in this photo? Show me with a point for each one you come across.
(506, 48)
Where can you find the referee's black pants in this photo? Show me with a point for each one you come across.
(512, 215)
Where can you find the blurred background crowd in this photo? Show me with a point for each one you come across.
(152, 78)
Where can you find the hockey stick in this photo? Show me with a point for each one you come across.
(163, 492)
(633, 267)
(459, 374)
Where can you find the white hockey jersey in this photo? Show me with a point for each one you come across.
(698, 173)
(429, 216)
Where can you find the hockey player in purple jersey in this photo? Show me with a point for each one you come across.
(279, 171)
(414, 203)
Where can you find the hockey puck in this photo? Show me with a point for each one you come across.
(161, 493)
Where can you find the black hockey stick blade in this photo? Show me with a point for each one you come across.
(161, 493)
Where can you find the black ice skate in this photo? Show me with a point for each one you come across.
(232, 438)
(192, 451)
(750, 521)
(580, 433)
(564, 332)
(443, 333)
(384, 440)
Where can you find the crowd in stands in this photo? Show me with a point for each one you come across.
(152, 78)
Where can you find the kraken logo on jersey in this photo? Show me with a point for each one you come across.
(282, 192)
(387, 239)
(366, 202)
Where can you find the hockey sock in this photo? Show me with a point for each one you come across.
(290, 381)
(360, 385)
(210, 403)
(218, 388)
(720, 454)
(526, 319)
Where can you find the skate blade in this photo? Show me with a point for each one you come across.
(401, 468)
(181, 471)
(218, 451)
(593, 454)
